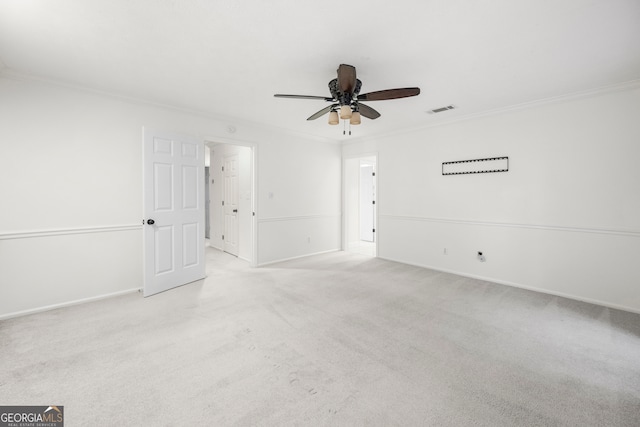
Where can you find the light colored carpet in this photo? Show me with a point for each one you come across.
(334, 339)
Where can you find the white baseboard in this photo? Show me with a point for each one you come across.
(297, 257)
(521, 286)
(66, 304)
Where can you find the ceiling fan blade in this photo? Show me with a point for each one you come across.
(346, 78)
(367, 111)
(322, 112)
(279, 95)
(389, 94)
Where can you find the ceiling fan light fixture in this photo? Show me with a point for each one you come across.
(345, 112)
(345, 93)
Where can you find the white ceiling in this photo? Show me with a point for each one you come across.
(228, 57)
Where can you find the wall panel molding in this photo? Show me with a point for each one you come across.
(598, 230)
(68, 231)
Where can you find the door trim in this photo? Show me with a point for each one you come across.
(345, 205)
(231, 200)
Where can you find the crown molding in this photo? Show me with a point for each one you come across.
(228, 122)
(602, 90)
(235, 122)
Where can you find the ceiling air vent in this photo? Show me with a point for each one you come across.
(441, 109)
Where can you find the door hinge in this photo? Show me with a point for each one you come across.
(223, 237)
(373, 174)
(223, 169)
(374, 230)
(223, 203)
(373, 202)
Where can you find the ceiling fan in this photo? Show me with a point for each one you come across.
(345, 97)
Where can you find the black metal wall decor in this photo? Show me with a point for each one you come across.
(488, 165)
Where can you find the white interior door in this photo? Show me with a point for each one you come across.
(230, 204)
(367, 200)
(174, 211)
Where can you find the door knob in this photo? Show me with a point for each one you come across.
(235, 211)
(150, 222)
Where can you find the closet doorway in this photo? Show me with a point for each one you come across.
(360, 209)
(232, 200)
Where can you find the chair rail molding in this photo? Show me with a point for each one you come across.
(599, 230)
(68, 231)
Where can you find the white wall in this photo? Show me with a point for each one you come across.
(71, 191)
(565, 219)
(299, 205)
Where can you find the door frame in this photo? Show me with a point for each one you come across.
(370, 201)
(347, 213)
(211, 143)
(234, 194)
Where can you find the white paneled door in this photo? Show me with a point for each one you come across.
(230, 196)
(173, 229)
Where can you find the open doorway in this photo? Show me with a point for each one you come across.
(232, 202)
(360, 216)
